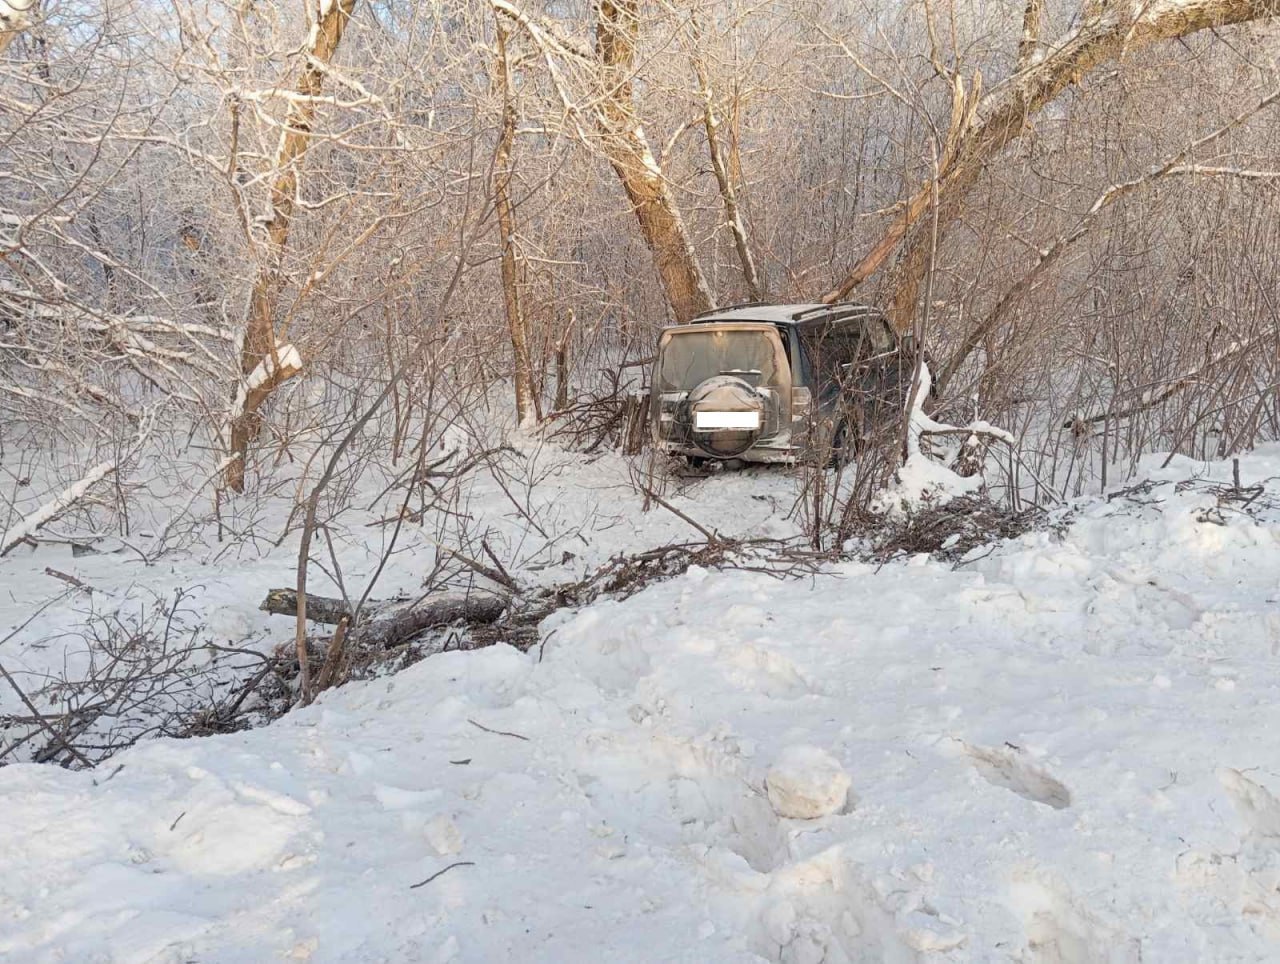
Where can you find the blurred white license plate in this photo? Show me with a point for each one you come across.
(705, 420)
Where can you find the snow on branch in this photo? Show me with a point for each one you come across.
(33, 522)
(68, 497)
(542, 33)
(281, 365)
(549, 44)
(1248, 174)
(922, 480)
(919, 424)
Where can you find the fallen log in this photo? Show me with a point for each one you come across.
(320, 609)
(389, 624)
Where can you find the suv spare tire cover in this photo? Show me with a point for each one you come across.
(725, 393)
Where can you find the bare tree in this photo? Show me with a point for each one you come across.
(623, 141)
(527, 407)
(720, 165)
(266, 362)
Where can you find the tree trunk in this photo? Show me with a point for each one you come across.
(725, 179)
(627, 148)
(527, 412)
(266, 362)
(562, 363)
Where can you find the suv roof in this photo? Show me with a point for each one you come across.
(797, 314)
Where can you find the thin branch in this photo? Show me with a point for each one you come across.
(460, 863)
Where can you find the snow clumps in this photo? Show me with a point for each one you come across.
(806, 782)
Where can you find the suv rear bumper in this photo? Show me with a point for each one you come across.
(762, 452)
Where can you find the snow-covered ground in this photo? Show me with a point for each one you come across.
(549, 516)
(1062, 749)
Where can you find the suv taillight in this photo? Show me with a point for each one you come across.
(801, 400)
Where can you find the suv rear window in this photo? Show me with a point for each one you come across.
(691, 356)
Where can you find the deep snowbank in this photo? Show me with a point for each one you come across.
(1064, 750)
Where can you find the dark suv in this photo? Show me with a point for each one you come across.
(778, 383)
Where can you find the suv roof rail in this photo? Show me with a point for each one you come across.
(841, 307)
(716, 311)
(805, 312)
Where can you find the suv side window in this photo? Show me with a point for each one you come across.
(832, 348)
(826, 352)
(854, 344)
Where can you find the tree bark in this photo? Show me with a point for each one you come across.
(527, 412)
(265, 361)
(627, 148)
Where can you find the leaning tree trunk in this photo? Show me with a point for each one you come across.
(1106, 34)
(266, 361)
(526, 398)
(627, 148)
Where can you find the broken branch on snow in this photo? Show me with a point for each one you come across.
(391, 623)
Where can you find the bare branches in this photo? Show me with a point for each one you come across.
(25, 528)
(308, 530)
(1173, 166)
(138, 673)
(68, 497)
(964, 106)
(1004, 113)
(623, 141)
(1152, 397)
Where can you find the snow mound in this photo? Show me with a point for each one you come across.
(806, 782)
